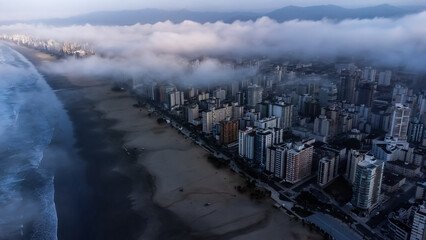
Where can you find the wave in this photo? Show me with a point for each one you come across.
(28, 119)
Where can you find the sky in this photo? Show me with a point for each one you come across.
(31, 9)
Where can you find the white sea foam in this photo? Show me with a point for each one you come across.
(27, 123)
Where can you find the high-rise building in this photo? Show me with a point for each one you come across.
(415, 131)
(278, 73)
(235, 88)
(327, 170)
(385, 78)
(421, 191)
(246, 142)
(348, 83)
(277, 135)
(254, 95)
(241, 98)
(418, 229)
(344, 123)
(399, 94)
(331, 126)
(354, 157)
(369, 74)
(365, 93)
(191, 92)
(327, 96)
(399, 122)
(147, 89)
(322, 126)
(311, 109)
(215, 115)
(237, 111)
(207, 121)
(203, 96)
(175, 98)
(161, 92)
(211, 103)
(398, 229)
(284, 112)
(228, 132)
(262, 140)
(367, 184)
(220, 94)
(276, 159)
(381, 116)
(299, 162)
(421, 102)
(192, 112)
(263, 109)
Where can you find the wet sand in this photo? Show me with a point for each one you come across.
(141, 198)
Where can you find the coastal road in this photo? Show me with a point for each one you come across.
(392, 205)
(334, 227)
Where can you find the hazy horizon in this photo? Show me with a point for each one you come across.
(27, 9)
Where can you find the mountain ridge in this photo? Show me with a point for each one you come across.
(152, 15)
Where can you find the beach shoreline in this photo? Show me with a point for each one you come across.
(92, 199)
(163, 191)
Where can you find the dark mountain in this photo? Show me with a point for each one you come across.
(144, 16)
(337, 13)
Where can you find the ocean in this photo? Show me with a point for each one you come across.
(30, 117)
(63, 174)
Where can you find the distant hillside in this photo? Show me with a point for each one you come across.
(144, 16)
(336, 12)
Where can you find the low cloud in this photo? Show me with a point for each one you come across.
(167, 51)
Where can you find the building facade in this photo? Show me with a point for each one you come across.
(246, 143)
(399, 123)
(254, 95)
(327, 170)
(418, 229)
(284, 112)
(367, 184)
(299, 162)
(354, 157)
(228, 132)
(262, 140)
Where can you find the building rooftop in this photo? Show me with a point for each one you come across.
(400, 225)
(391, 179)
(263, 132)
(384, 148)
(399, 105)
(249, 129)
(267, 119)
(403, 164)
(369, 162)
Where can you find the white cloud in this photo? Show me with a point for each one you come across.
(163, 50)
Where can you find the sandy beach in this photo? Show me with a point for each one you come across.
(164, 191)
